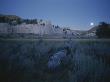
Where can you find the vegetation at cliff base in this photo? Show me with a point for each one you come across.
(103, 30)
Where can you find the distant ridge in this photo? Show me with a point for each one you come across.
(15, 24)
(14, 17)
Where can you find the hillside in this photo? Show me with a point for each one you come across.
(15, 25)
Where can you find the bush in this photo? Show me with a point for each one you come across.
(103, 30)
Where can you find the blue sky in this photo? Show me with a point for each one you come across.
(77, 14)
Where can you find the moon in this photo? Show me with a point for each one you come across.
(91, 24)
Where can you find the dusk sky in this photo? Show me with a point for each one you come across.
(77, 14)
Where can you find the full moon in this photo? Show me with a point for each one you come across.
(91, 24)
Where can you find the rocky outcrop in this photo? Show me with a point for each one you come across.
(11, 24)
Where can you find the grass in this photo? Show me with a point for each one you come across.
(25, 60)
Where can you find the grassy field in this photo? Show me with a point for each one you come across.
(25, 60)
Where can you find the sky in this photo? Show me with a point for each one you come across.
(75, 14)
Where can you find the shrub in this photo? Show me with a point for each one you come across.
(103, 30)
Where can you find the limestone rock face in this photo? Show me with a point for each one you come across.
(26, 28)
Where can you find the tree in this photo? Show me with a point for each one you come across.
(57, 26)
(19, 21)
(43, 24)
(103, 30)
(65, 32)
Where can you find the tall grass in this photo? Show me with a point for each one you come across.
(26, 61)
